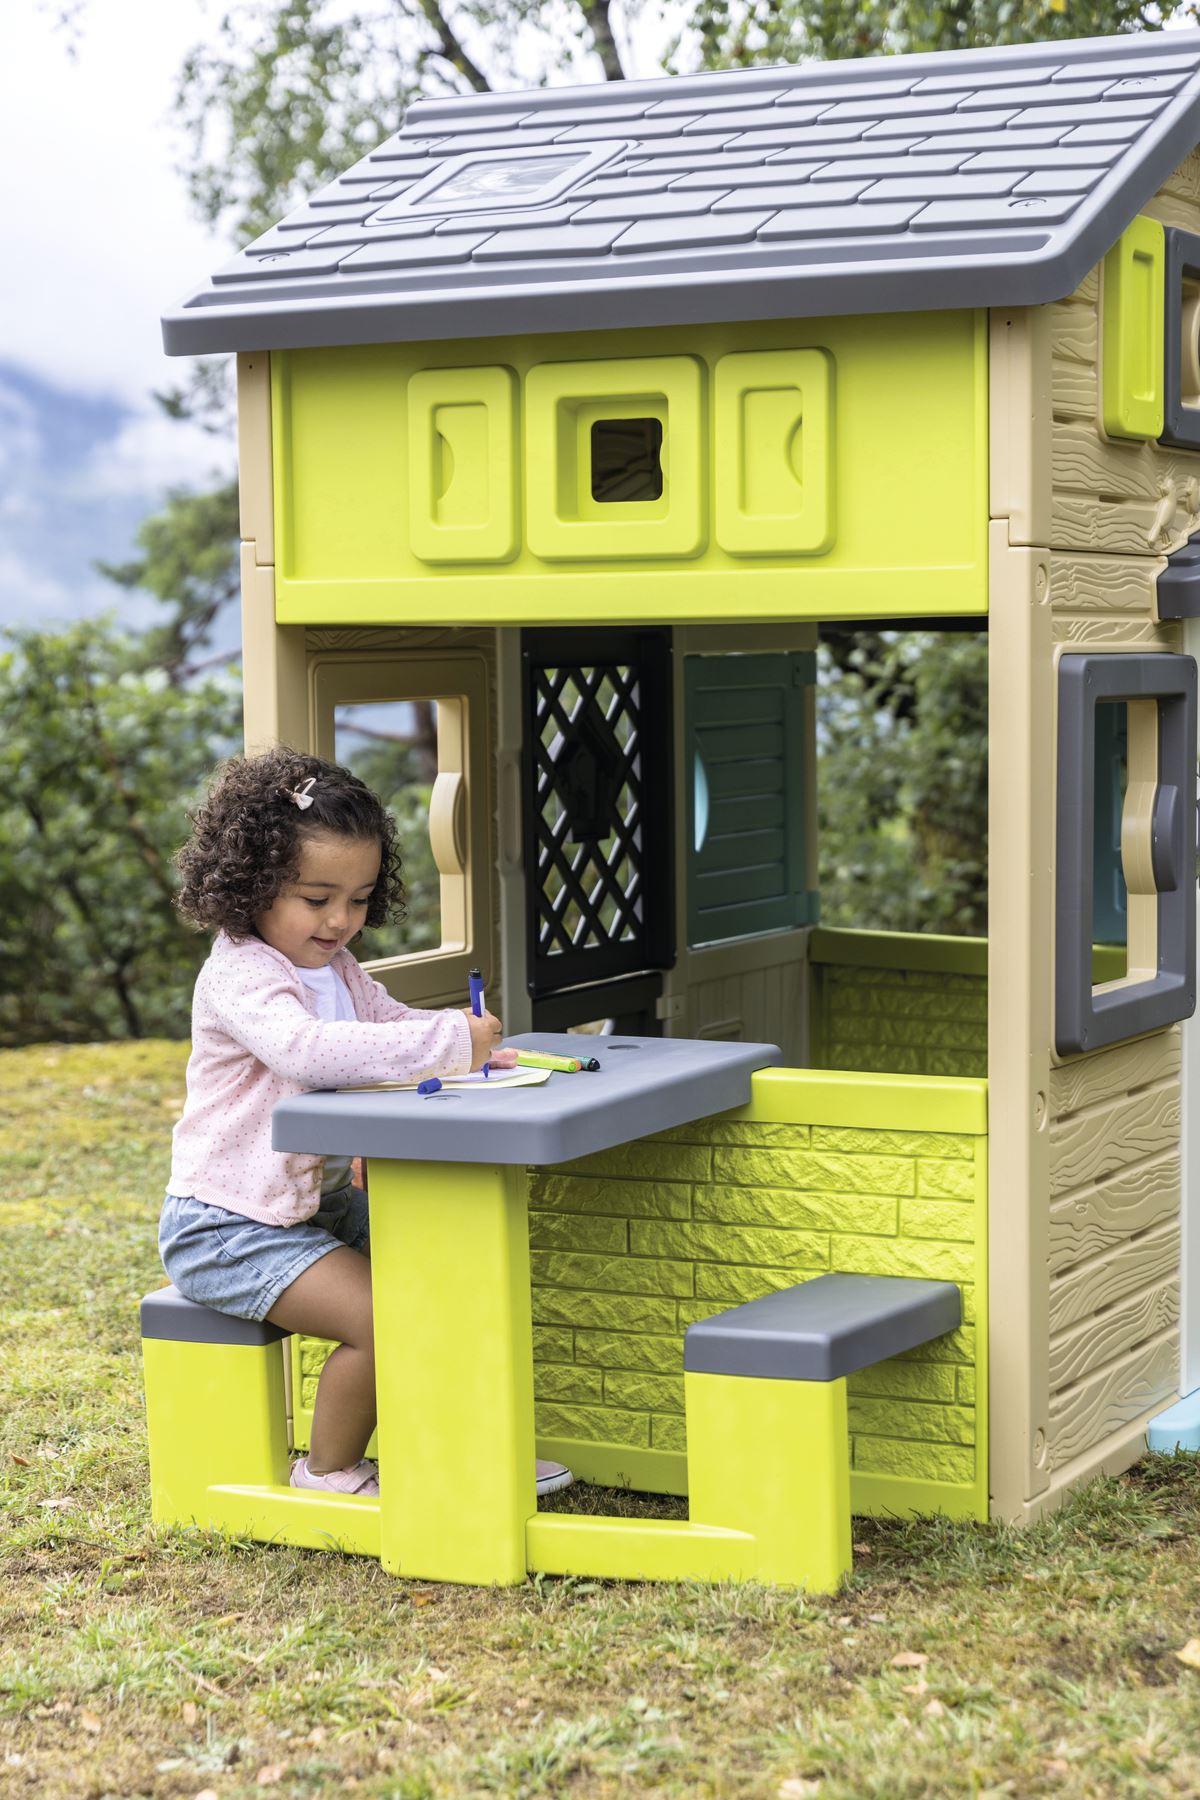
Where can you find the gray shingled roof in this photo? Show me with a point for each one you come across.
(992, 177)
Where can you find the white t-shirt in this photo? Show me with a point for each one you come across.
(333, 1002)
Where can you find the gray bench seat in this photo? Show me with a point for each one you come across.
(827, 1327)
(166, 1314)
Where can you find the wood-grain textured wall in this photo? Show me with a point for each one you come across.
(1117, 510)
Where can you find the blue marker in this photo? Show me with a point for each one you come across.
(432, 1086)
(475, 983)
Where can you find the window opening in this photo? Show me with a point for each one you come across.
(392, 747)
(627, 459)
(1110, 920)
(1189, 344)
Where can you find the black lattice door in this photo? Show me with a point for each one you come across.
(597, 807)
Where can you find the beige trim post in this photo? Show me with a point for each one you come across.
(518, 1008)
(274, 675)
(255, 498)
(274, 672)
(1019, 422)
(1020, 869)
(1020, 866)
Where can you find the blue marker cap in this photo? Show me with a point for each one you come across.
(475, 984)
(432, 1086)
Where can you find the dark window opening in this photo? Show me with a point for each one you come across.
(1110, 900)
(627, 459)
(1189, 344)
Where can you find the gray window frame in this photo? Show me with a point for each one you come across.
(1086, 1020)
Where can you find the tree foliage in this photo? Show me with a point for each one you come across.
(747, 33)
(189, 562)
(902, 786)
(99, 758)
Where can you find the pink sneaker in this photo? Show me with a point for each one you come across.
(551, 1476)
(363, 1478)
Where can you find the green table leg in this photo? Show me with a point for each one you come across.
(454, 1369)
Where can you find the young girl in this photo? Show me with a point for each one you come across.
(289, 858)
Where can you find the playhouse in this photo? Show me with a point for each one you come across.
(577, 413)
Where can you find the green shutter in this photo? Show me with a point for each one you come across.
(744, 782)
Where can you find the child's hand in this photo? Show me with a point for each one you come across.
(486, 1031)
(503, 1059)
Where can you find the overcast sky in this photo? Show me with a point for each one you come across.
(98, 233)
(99, 240)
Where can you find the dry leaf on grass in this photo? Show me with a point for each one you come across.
(935, 1709)
(22, 1462)
(909, 1659)
(206, 1794)
(191, 1713)
(269, 1775)
(1056, 1765)
(1190, 1653)
(918, 1687)
(89, 1722)
(426, 1597)
(60, 1501)
(862, 1549)
(796, 1787)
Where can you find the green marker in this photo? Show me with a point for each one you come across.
(538, 1059)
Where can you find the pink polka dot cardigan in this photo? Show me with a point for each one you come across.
(255, 1039)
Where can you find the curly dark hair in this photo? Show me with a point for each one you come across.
(246, 836)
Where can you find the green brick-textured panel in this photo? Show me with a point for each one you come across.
(903, 1021)
(738, 1208)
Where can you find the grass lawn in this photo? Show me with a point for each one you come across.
(961, 1660)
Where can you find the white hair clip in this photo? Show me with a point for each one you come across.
(301, 795)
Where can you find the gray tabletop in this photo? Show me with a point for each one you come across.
(643, 1085)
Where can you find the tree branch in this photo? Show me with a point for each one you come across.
(596, 12)
(450, 47)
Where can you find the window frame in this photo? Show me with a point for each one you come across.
(459, 681)
(1157, 848)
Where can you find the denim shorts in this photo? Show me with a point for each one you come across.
(241, 1266)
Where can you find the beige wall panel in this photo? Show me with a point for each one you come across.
(1120, 497)
(1119, 528)
(1092, 1344)
(274, 666)
(1074, 388)
(1142, 1263)
(1085, 464)
(1021, 710)
(1088, 1222)
(1104, 584)
(1115, 634)
(1184, 182)
(761, 1003)
(1087, 1146)
(1076, 336)
(1172, 211)
(1110, 1457)
(1088, 291)
(1080, 1417)
(1111, 1074)
(1075, 330)
(255, 496)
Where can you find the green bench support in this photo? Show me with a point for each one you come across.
(765, 1394)
(768, 1445)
